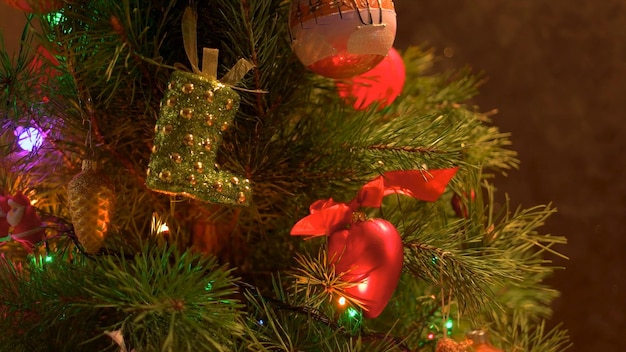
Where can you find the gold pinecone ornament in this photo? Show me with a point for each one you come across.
(91, 201)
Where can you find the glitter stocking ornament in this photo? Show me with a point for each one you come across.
(195, 111)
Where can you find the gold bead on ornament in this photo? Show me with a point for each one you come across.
(188, 140)
(225, 126)
(191, 179)
(241, 198)
(176, 158)
(154, 148)
(218, 186)
(234, 180)
(186, 113)
(209, 95)
(229, 104)
(187, 88)
(198, 167)
(210, 119)
(171, 102)
(165, 175)
(167, 129)
(207, 145)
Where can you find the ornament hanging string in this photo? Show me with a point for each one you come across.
(209, 56)
(86, 108)
(328, 216)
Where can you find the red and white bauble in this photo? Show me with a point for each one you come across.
(340, 39)
(380, 85)
(370, 253)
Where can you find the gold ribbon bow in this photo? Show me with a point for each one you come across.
(209, 56)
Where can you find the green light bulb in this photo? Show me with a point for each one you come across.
(352, 312)
(55, 18)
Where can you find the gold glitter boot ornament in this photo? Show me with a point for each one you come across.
(195, 111)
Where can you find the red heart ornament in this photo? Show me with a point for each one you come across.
(370, 252)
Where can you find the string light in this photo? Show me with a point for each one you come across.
(449, 324)
(431, 336)
(29, 139)
(40, 260)
(159, 227)
(163, 229)
(352, 312)
(341, 301)
(362, 287)
(55, 18)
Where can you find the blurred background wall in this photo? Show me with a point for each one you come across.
(557, 75)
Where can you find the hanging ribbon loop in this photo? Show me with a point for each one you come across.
(209, 56)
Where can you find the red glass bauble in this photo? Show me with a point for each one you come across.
(340, 39)
(36, 6)
(371, 254)
(380, 85)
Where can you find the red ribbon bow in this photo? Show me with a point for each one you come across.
(328, 216)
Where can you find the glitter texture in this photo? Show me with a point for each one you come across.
(91, 201)
(194, 112)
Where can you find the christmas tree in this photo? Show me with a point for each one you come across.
(255, 175)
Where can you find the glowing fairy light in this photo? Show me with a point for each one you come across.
(163, 229)
(30, 138)
(55, 18)
(352, 313)
(341, 301)
(362, 287)
(159, 227)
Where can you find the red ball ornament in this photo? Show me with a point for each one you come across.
(370, 252)
(380, 85)
(341, 39)
(36, 6)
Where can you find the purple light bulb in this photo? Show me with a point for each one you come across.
(29, 138)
